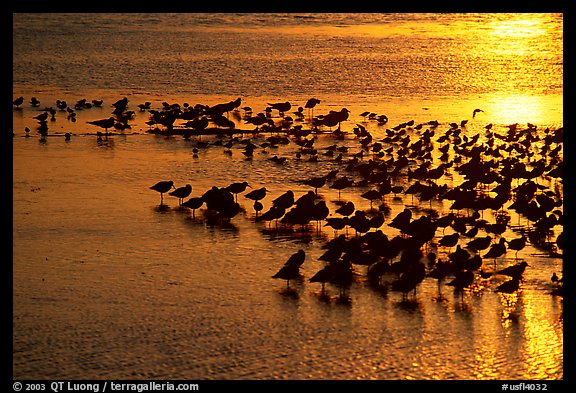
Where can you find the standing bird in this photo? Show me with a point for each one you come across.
(509, 286)
(514, 271)
(193, 203)
(372, 196)
(281, 107)
(163, 187)
(323, 276)
(517, 244)
(237, 188)
(297, 259)
(181, 193)
(462, 280)
(257, 195)
(310, 104)
(291, 268)
(104, 123)
(496, 251)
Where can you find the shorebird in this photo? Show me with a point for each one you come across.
(297, 259)
(514, 271)
(291, 268)
(341, 183)
(346, 209)
(281, 107)
(104, 123)
(323, 276)
(257, 195)
(237, 188)
(310, 104)
(193, 203)
(517, 244)
(182, 192)
(496, 250)
(17, 102)
(372, 196)
(509, 286)
(163, 187)
(476, 111)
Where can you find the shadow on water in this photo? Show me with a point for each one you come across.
(162, 208)
(411, 305)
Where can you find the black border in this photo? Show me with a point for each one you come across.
(313, 6)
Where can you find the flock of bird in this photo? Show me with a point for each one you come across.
(499, 172)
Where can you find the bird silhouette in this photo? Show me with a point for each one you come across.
(181, 193)
(193, 203)
(323, 276)
(17, 102)
(237, 188)
(514, 271)
(517, 244)
(104, 123)
(509, 286)
(257, 195)
(346, 209)
(163, 187)
(476, 111)
(297, 259)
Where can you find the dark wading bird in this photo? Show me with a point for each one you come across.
(104, 123)
(193, 203)
(181, 193)
(237, 188)
(291, 269)
(163, 187)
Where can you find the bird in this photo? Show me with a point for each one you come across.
(479, 243)
(193, 203)
(509, 286)
(371, 195)
(281, 107)
(323, 276)
(462, 279)
(346, 209)
(182, 192)
(401, 220)
(34, 101)
(341, 183)
(496, 250)
(297, 259)
(163, 187)
(258, 207)
(449, 240)
(316, 182)
(476, 111)
(291, 268)
(257, 195)
(285, 200)
(17, 102)
(104, 123)
(514, 271)
(517, 244)
(288, 272)
(237, 188)
(310, 104)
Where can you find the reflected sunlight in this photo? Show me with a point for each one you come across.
(530, 25)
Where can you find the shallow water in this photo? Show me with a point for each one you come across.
(108, 285)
